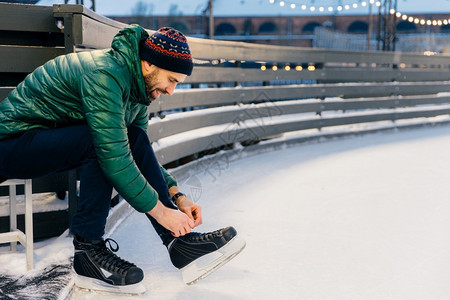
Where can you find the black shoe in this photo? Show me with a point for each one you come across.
(98, 268)
(199, 254)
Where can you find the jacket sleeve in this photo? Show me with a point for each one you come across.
(102, 99)
(141, 119)
(170, 180)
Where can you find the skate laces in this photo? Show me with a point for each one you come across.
(109, 242)
(104, 255)
(202, 237)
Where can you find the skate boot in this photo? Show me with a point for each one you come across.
(199, 254)
(98, 268)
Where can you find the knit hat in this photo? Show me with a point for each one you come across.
(167, 48)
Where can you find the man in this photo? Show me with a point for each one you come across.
(89, 110)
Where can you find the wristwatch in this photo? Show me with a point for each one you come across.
(176, 196)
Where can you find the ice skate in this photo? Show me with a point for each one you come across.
(199, 254)
(98, 268)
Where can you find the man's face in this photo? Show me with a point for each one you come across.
(160, 81)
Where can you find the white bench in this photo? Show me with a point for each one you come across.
(15, 235)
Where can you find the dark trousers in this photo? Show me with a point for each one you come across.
(38, 153)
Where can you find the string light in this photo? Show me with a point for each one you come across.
(287, 67)
(411, 19)
(313, 8)
(355, 5)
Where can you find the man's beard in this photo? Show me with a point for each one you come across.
(150, 84)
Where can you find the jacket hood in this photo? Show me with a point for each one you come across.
(126, 42)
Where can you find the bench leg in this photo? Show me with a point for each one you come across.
(12, 214)
(29, 224)
(15, 235)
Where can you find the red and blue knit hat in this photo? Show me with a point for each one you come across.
(167, 48)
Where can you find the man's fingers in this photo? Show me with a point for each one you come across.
(191, 224)
(190, 215)
(198, 221)
(197, 214)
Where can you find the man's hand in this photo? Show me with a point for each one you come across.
(189, 207)
(175, 221)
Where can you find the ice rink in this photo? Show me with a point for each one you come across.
(356, 218)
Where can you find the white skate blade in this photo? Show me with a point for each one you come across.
(99, 285)
(197, 270)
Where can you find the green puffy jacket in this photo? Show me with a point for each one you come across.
(103, 88)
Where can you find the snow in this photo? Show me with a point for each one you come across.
(365, 217)
(50, 252)
(43, 202)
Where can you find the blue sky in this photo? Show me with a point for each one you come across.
(254, 7)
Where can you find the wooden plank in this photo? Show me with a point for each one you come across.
(45, 224)
(22, 59)
(210, 49)
(213, 97)
(231, 134)
(387, 116)
(19, 17)
(13, 236)
(189, 121)
(221, 74)
(383, 74)
(61, 10)
(235, 114)
(11, 79)
(382, 102)
(89, 29)
(91, 34)
(31, 38)
(51, 183)
(4, 91)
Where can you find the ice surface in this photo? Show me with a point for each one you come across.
(360, 218)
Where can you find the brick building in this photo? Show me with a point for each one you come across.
(288, 30)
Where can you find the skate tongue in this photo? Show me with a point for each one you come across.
(86, 241)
